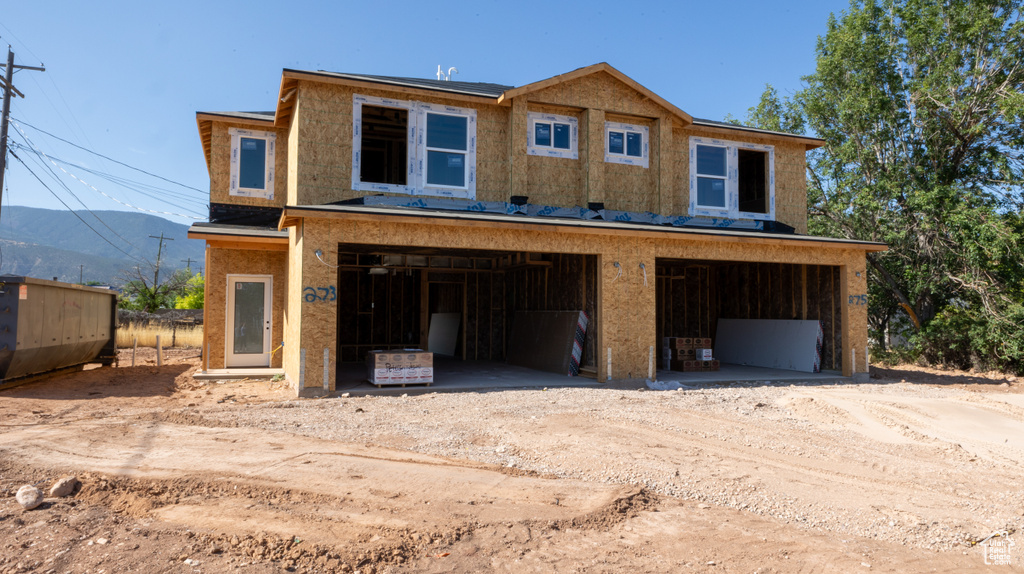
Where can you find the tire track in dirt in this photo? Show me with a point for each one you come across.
(279, 513)
(779, 498)
(929, 429)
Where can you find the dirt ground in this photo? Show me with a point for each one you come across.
(904, 474)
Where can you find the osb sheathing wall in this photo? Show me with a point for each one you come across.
(632, 187)
(626, 316)
(554, 180)
(221, 262)
(321, 144)
(600, 91)
(220, 167)
(319, 151)
(598, 98)
(790, 172)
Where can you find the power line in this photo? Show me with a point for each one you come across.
(55, 86)
(136, 186)
(23, 122)
(101, 236)
(119, 181)
(57, 179)
(23, 44)
(40, 153)
(68, 189)
(5, 116)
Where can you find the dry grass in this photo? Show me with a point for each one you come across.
(183, 337)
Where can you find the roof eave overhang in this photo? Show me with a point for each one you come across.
(292, 215)
(809, 142)
(204, 122)
(226, 233)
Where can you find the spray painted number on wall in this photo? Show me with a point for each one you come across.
(314, 294)
(858, 299)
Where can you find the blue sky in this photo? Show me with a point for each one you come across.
(125, 78)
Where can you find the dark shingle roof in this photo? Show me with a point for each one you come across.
(739, 127)
(262, 116)
(483, 89)
(480, 89)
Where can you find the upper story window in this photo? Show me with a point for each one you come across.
(252, 163)
(732, 179)
(626, 143)
(414, 148)
(552, 135)
(447, 143)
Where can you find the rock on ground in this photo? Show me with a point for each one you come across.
(29, 497)
(64, 487)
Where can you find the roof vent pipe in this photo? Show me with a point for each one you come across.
(446, 77)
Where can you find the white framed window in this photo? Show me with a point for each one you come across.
(551, 135)
(413, 148)
(731, 179)
(252, 163)
(626, 143)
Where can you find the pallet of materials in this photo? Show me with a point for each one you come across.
(688, 354)
(400, 367)
(697, 366)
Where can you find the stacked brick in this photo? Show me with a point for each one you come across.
(688, 354)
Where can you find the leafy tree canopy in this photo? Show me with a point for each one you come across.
(142, 294)
(921, 106)
(193, 293)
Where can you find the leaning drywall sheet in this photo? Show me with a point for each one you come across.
(772, 343)
(444, 333)
(544, 340)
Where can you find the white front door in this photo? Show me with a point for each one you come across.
(248, 320)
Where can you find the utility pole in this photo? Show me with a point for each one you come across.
(188, 265)
(81, 270)
(159, 251)
(8, 86)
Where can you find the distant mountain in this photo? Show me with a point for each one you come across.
(48, 243)
(47, 262)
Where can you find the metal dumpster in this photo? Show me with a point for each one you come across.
(49, 325)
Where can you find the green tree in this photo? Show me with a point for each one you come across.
(776, 114)
(920, 105)
(193, 293)
(140, 294)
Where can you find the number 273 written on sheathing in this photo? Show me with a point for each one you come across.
(314, 294)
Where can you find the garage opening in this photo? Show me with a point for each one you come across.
(462, 305)
(739, 306)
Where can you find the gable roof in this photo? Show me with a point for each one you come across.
(479, 92)
(684, 117)
(204, 120)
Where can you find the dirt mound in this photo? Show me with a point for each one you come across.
(185, 417)
(618, 511)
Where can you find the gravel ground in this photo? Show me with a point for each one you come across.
(876, 460)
